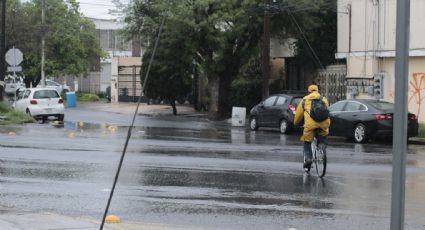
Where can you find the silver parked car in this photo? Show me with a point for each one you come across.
(12, 85)
(58, 87)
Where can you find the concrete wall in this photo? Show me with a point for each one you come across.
(105, 76)
(416, 94)
(373, 25)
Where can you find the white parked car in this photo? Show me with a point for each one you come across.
(40, 103)
(58, 87)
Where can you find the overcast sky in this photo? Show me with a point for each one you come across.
(98, 8)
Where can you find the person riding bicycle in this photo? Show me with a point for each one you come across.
(304, 110)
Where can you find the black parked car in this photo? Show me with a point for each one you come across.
(277, 111)
(364, 119)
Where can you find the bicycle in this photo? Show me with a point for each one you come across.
(318, 149)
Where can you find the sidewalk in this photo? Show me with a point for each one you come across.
(12, 220)
(144, 109)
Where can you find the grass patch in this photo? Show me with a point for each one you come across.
(422, 130)
(87, 97)
(9, 116)
(4, 108)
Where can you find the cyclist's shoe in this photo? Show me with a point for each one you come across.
(307, 165)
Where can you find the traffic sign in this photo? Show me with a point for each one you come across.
(14, 68)
(14, 57)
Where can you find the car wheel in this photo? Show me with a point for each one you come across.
(253, 123)
(61, 117)
(360, 134)
(284, 126)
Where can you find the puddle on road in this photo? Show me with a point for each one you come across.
(263, 193)
(237, 136)
(247, 193)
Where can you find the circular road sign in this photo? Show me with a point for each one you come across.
(14, 57)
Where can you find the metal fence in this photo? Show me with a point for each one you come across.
(129, 83)
(332, 85)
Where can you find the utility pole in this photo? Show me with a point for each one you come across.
(43, 32)
(2, 48)
(349, 29)
(266, 50)
(400, 115)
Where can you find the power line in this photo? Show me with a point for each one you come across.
(96, 4)
(305, 39)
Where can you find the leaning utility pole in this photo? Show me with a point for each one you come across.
(2, 48)
(43, 32)
(266, 50)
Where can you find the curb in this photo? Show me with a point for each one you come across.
(19, 220)
(417, 141)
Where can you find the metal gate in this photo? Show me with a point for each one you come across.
(129, 84)
(333, 85)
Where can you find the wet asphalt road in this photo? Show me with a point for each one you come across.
(188, 171)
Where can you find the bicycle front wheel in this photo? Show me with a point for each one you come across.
(320, 160)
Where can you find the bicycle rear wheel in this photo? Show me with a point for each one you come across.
(320, 160)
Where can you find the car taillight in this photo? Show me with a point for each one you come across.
(61, 101)
(383, 117)
(292, 108)
(33, 102)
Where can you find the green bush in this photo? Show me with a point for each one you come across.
(422, 130)
(87, 97)
(13, 117)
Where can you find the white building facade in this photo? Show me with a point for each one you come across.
(115, 45)
(366, 39)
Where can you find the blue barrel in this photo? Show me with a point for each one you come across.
(71, 99)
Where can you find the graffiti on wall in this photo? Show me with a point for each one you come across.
(417, 89)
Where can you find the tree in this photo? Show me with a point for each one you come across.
(314, 24)
(71, 46)
(221, 36)
(170, 73)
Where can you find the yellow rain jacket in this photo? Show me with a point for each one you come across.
(309, 124)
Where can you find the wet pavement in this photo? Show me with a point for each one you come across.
(188, 171)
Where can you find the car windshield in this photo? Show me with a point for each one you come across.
(382, 105)
(41, 94)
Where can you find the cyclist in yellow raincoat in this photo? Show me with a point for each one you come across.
(311, 125)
